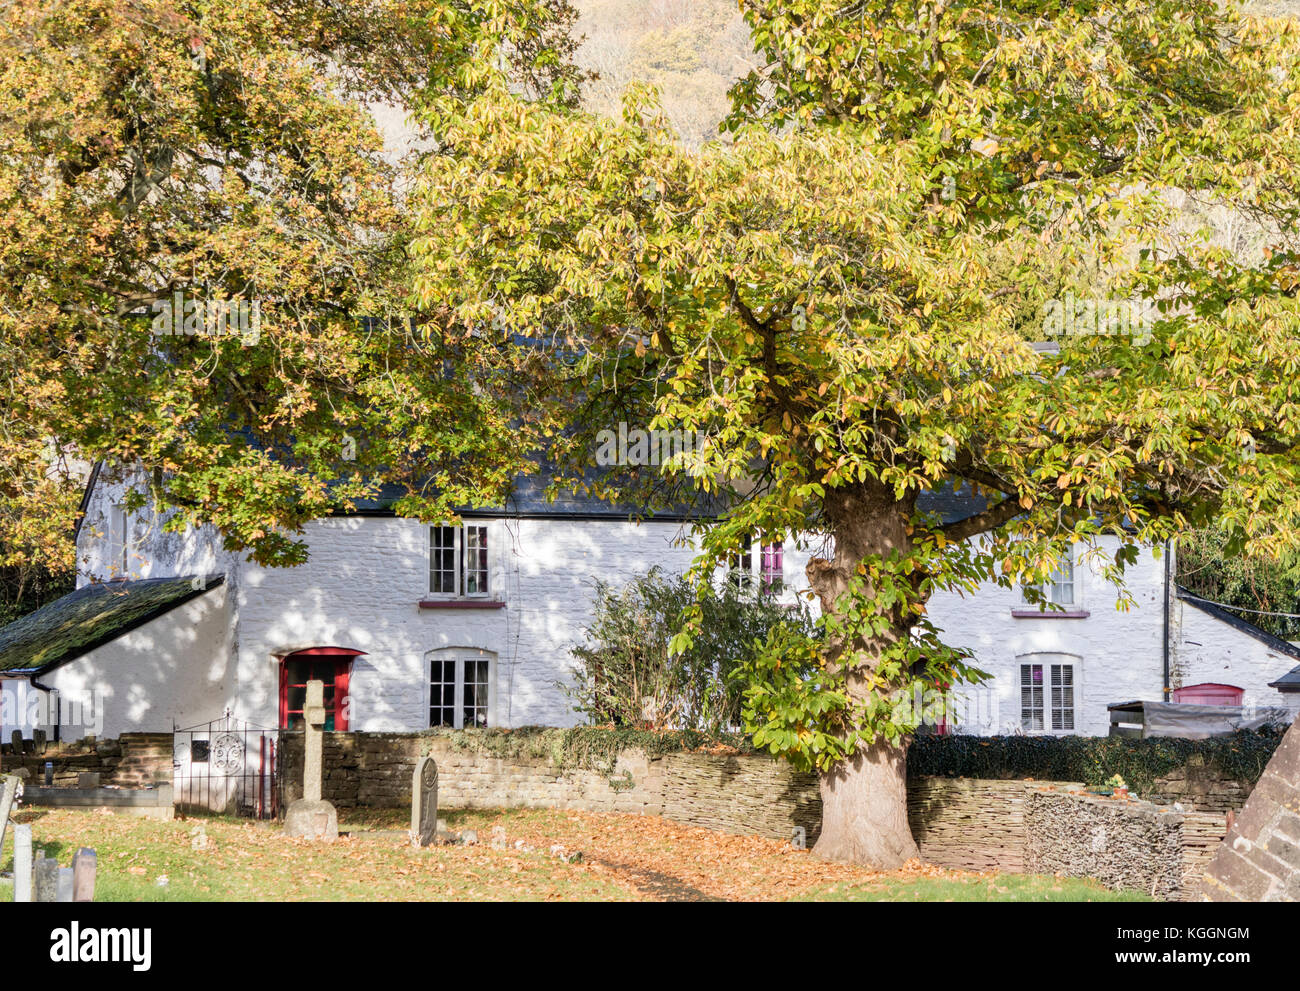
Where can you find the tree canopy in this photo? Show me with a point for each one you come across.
(845, 301)
(187, 161)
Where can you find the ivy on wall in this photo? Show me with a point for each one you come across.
(1240, 757)
(1092, 760)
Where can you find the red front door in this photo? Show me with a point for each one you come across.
(331, 665)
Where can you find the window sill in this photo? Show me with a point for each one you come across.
(461, 604)
(1050, 614)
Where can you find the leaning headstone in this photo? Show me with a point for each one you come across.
(424, 802)
(799, 838)
(22, 863)
(47, 879)
(10, 789)
(311, 817)
(64, 893)
(84, 866)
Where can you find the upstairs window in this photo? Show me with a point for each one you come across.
(740, 566)
(458, 561)
(119, 540)
(762, 567)
(1059, 589)
(771, 571)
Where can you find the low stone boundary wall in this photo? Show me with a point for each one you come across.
(133, 760)
(960, 823)
(1200, 786)
(969, 824)
(1123, 843)
(749, 793)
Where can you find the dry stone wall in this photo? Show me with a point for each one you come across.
(969, 823)
(132, 760)
(737, 793)
(1200, 786)
(1123, 844)
(959, 823)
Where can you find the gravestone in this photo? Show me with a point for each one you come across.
(311, 817)
(47, 879)
(64, 891)
(10, 786)
(84, 866)
(22, 863)
(16, 741)
(424, 802)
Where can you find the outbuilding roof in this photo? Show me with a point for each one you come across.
(90, 617)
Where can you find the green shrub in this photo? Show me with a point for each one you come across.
(627, 676)
(1240, 757)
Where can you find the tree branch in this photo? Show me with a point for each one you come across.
(992, 518)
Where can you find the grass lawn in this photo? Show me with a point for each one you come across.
(625, 858)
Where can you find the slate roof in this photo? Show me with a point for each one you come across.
(90, 617)
(1289, 682)
(528, 499)
(952, 504)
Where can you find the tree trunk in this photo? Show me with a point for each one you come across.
(864, 810)
(864, 800)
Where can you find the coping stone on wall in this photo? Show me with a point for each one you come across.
(1259, 859)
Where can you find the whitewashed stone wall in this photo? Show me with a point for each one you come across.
(154, 552)
(1209, 650)
(1117, 654)
(362, 587)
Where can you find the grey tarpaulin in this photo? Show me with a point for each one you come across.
(1196, 722)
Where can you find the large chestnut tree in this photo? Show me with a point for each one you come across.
(844, 298)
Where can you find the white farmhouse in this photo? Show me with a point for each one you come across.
(411, 626)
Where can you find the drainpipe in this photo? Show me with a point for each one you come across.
(31, 680)
(85, 500)
(1169, 591)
